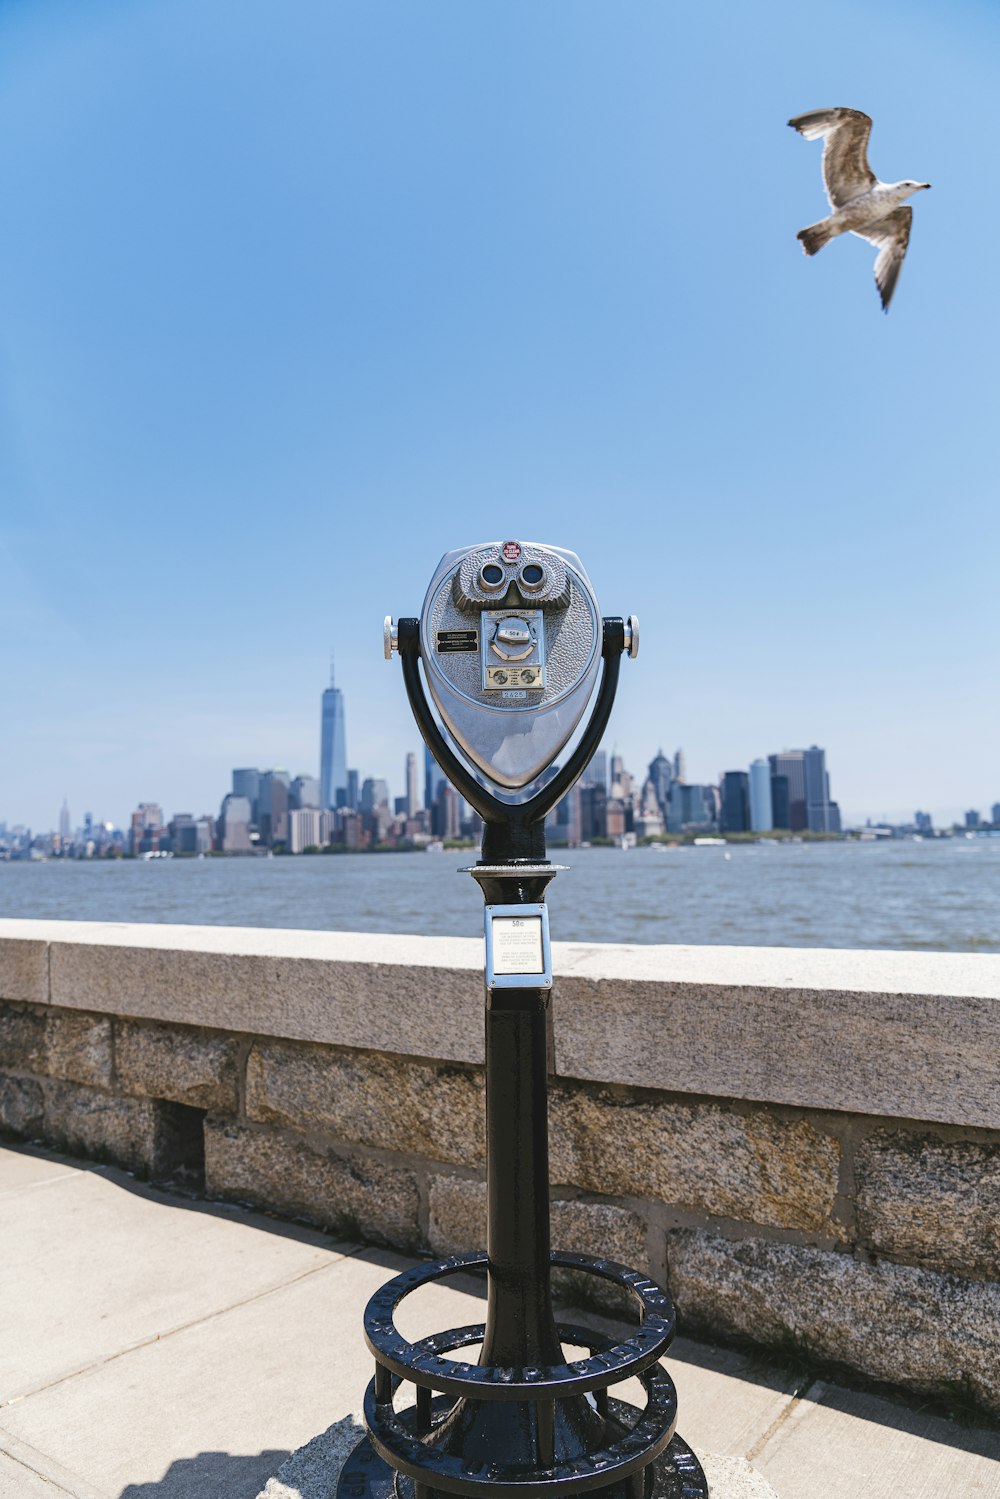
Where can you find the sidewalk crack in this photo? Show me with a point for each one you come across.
(795, 1399)
(161, 1336)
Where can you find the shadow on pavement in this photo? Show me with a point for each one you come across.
(211, 1475)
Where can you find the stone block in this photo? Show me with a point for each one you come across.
(193, 1067)
(457, 1215)
(21, 1106)
(427, 1109)
(24, 965)
(137, 1133)
(78, 1047)
(22, 1038)
(416, 996)
(931, 1201)
(702, 1157)
(905, 1325)
(906, 1035)
(458, 1223)
(357, 1197)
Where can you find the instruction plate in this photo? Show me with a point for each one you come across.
(518, 954)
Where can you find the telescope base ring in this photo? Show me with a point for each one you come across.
(677, 1474)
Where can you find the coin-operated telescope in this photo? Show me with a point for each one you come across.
(512, 644)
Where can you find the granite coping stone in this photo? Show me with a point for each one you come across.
(898, 1034)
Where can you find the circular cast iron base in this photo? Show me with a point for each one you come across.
(676, 1475)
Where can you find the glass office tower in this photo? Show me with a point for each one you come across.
(333, 748)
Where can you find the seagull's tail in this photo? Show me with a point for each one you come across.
(816, 236)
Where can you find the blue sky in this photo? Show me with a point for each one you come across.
(297, 297)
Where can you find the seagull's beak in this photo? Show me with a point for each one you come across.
(925, 184)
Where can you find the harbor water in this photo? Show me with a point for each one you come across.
(939, 895)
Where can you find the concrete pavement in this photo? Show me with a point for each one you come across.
(155, 1347)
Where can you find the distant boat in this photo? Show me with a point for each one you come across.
(710, 843)
(435, 846)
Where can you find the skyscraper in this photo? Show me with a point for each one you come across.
(817, 790)
(735, 816)
(809, 804)
(304, 792)
(661, 775)
(596, 773)
(761, 810)
(412, 795)
(791, 765)
(333, 748)
(273, 807)
(781, 816)
(64, 821)
(246, 783)
(433, 779)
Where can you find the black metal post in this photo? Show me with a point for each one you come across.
(520, 1327)
(522, 1423)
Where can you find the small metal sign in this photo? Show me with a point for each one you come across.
(454, 642)
(518, 951)
(510, 551)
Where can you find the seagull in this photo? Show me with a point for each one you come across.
(873, 210)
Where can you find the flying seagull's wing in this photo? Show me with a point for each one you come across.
(846, 172)
(891, 236)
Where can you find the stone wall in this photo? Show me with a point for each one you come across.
(805, 1146)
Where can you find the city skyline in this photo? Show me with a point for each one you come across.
(406, 271)
(762, 796)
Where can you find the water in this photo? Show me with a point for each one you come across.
(937, 896)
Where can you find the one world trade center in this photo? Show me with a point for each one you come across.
(333, 748)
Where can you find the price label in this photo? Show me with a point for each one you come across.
(517, 944)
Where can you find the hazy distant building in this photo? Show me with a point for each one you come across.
(190, 835)
(272, 817)
(923, 823)
(791, 765)
(234, 825)
(622, 784)
(692, 808)
(64, 821)
(648, 820)
(661, 778)
(817, 783)
(433, 779)
(353, 790)
(593, 812)
(781, 814)
(596, 773)
(735, 790)
(761, 808)
(146, 827)
(305, 829)
(412, 801)
(680, 766)
(246, 782)
(973, 820)
(333, 748)
(616, 819)
(183, 833)
(995, 814)
(304, 792)
(374, 794)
